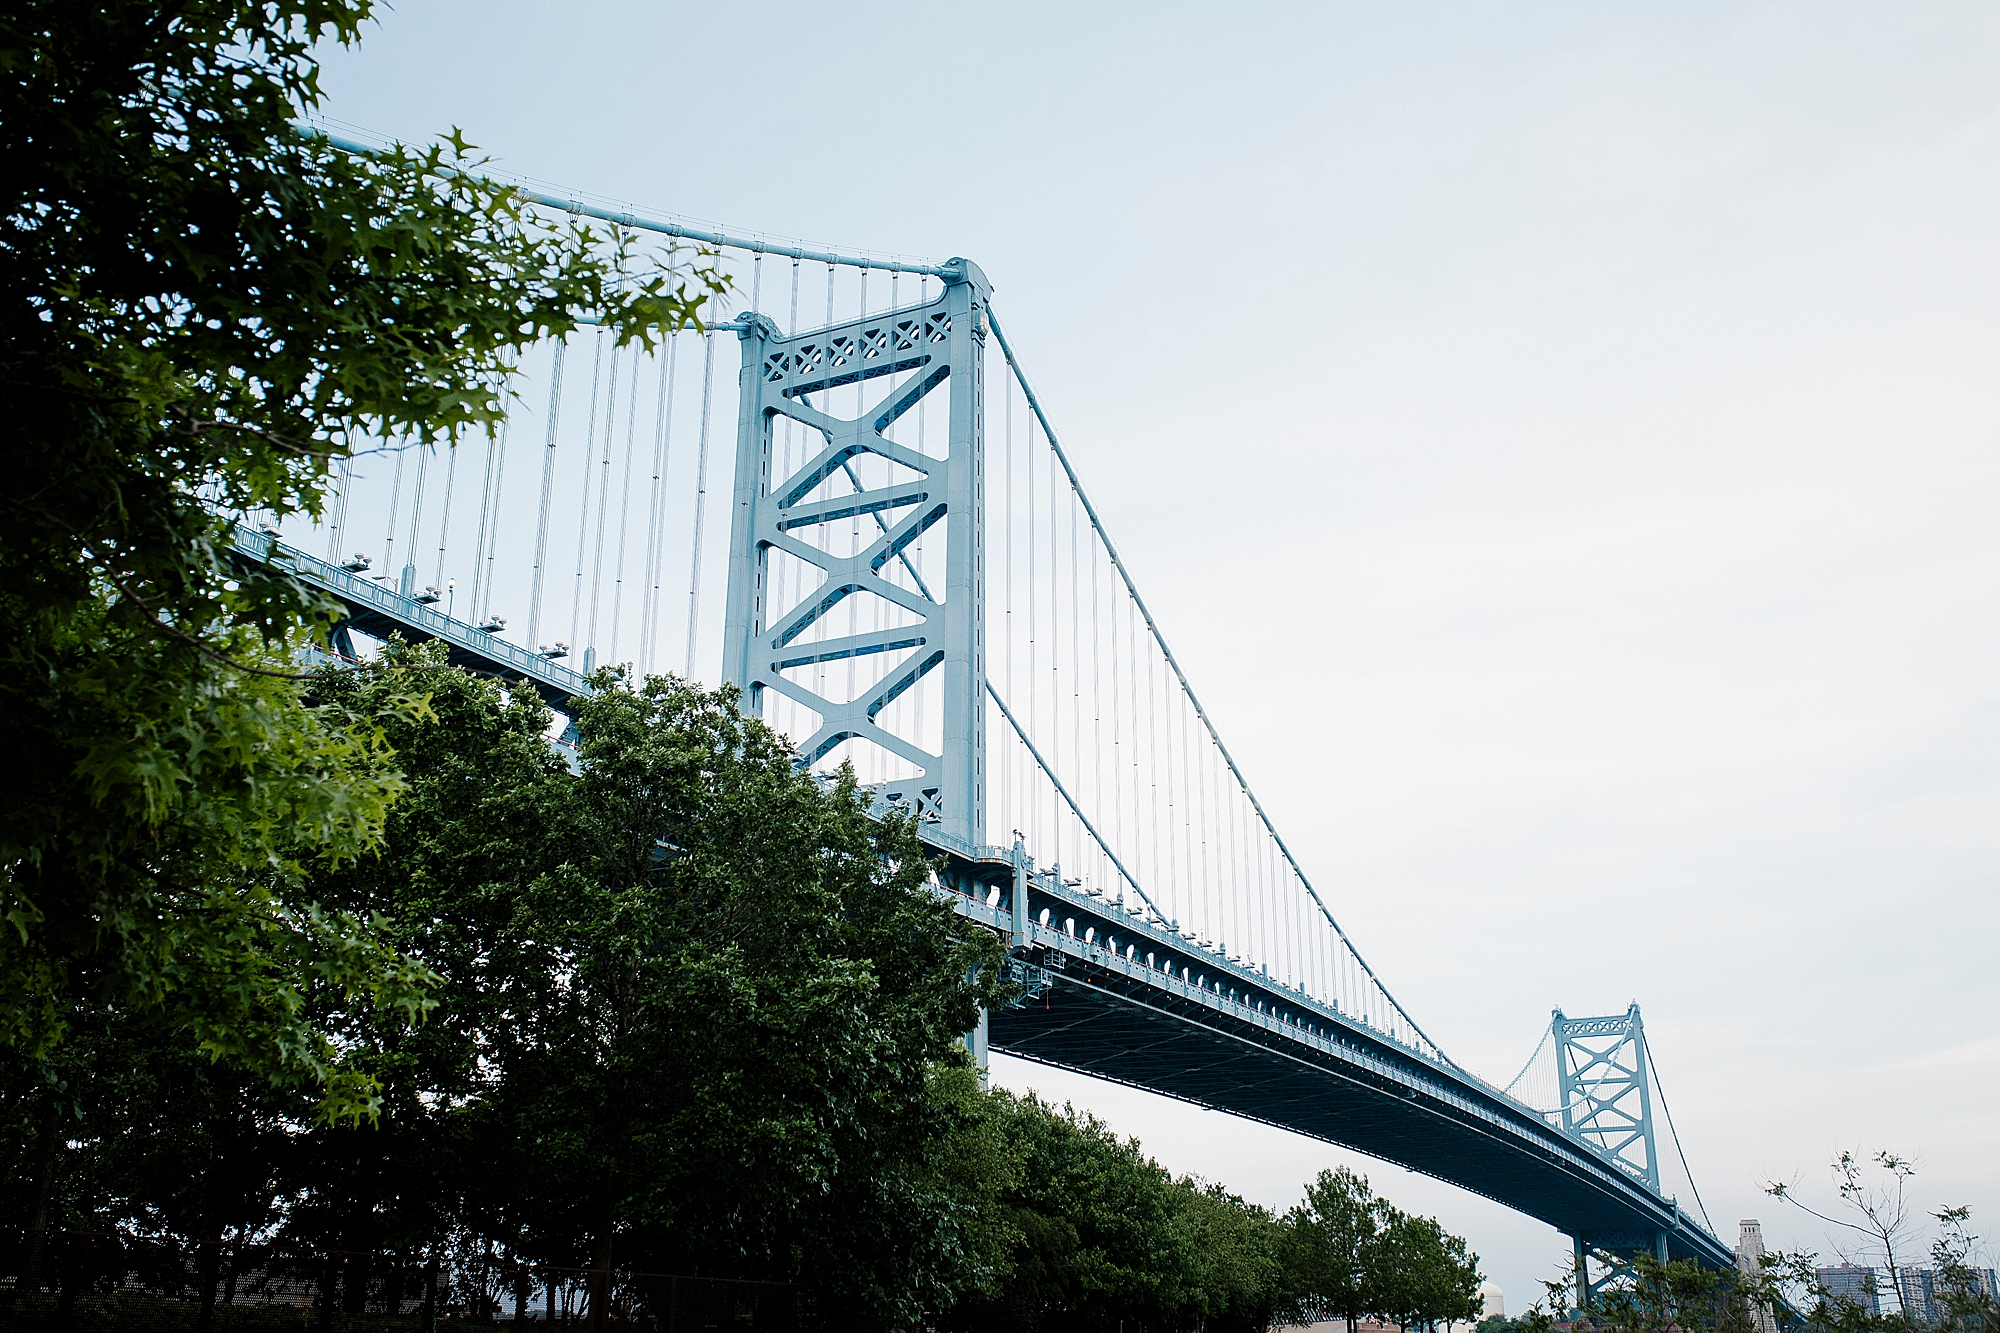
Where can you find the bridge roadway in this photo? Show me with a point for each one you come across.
(1180, 1020)
(1177, 1019)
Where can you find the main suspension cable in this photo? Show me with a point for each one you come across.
(1152, 625)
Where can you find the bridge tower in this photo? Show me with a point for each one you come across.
(1607, 1099)
(941, 344)
(1601, 1071)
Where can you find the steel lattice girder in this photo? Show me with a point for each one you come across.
(942, 342)
(1601, 1069)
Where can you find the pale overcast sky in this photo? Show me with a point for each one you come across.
(1560, 440)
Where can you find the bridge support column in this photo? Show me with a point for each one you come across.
(1023, 871)
(1583, 1301)
(975, 1041)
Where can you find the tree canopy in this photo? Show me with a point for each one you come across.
(1354, 1256)
(205, 309)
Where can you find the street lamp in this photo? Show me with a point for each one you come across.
(450, 588)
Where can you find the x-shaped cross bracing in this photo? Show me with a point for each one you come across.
(917, 505)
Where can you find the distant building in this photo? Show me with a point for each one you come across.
(1749, 1249)
(1924, 1290)
(1851, 1282)
(1495, 1301)
(1917, 1289)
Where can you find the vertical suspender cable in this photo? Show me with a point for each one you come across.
(1055, 659)
(548, 486)
(493, 446)
(624, 504)
(409, 575)
(343, 486)
(653, 517)
(794, 568)
(917, 704)
(1173, 664)
(866, 754)
(700, 493)
(820, 532)
(668, 367)
(604, 490)
(589, 472)
(589, 640)
(1157, 770)
(1117, 731)
(1075, 659)
(1007, 557)
(491, 542)
(1199, 810)
(1172, 811)
(395, 502)
(1029, 794)
(444, 519)
(1097, 691)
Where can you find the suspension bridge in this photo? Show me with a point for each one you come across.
(913, 579)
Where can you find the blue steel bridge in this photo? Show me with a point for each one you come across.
(912, 579)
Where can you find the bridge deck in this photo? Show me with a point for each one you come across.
(1233, 1040)
(1243, 1044)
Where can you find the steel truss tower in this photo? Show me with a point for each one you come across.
(1601, 1069)
(942, 343)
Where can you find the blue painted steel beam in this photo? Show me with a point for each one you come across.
(379, 611)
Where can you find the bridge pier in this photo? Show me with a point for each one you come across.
(1615, 1253)
(975, 1041)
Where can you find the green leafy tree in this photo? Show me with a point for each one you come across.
(1334, 1248)
(204, 311)
(1237, 1281)
(1099, 1236)
(1968, 1305)
(697, 1013)
(1422, 1275)
(1679, 1296)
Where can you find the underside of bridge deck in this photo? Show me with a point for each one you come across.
(1100, 1023)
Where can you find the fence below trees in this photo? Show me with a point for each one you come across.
(110, 1282)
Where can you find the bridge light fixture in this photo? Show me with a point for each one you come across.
(356, 563)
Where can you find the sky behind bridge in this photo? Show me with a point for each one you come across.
(1558, 438)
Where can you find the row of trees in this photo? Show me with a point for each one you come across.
(682, 1010)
